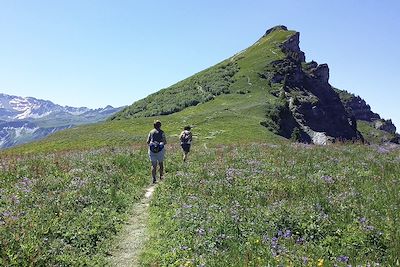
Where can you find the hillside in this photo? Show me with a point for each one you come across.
(247, 197)
(268, 88)
(294, 95)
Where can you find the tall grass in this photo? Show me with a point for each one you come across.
(62, 209)
(278, 205)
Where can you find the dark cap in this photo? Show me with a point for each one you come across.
(157, 124)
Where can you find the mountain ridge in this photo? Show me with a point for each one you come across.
(24, 119)
(263, 93)
(22, 108)
(300, 101)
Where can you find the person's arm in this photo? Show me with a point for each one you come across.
(164, 139)
(149, 138)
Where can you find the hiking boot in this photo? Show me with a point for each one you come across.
(161, 177)
(154, 181)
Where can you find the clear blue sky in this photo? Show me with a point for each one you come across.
(93, 53)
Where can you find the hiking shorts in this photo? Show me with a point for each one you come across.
(154, 157)
(186, 147)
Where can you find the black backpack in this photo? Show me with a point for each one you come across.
(155, 145)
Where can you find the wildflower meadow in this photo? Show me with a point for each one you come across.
(63, 209)
(278, 205)
(229, 205)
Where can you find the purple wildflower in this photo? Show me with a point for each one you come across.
(369, 228)
(342, 258)
(382, 150)
(274, 242)
(25, 185)
(201, 231)
(287, 234)
(6, 213)
(14, 199)
(231, 173)
(78, 183)
(328, 179)
(305, 260)
(362, 220)
(280, 233)
(9, 215)
(300, 241)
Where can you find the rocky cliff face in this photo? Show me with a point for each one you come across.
(312, 105)
(360, 110)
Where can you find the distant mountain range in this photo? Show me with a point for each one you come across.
(24, 119)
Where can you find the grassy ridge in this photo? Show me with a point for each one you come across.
(238, 116)
(61, 209)
(238, 74)
(224, 98)
(293, 205)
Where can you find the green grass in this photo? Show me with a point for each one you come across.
(295, 205)
(242, 191)
(238, 74)
(238, 116)
(64, 209)
(373, 135)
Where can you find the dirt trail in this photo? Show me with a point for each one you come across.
(134, 235)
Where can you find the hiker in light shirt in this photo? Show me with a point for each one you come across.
(156, 141)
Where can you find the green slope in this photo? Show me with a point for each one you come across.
(228, 98)
(238, 74)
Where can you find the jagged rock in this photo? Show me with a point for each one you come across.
(291, 48)
(320, 73)
(395, 139)
(313, 106)
(360, 110)
(385, 125)
(357, 107)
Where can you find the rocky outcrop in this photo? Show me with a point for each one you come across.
(313, 104)
(385, 125)
(357, 107)
(291, 48)
(360, 110)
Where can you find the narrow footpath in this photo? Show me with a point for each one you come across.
(134, 234)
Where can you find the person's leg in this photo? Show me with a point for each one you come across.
(186, 149)
(154, 170)
(161, 170)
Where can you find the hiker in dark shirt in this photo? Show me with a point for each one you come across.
(186, 140)
(156, 141)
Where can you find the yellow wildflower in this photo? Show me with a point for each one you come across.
(188, 264)
(320, 262)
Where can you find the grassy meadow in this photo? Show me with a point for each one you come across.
(247, 197)
(278, 205)
(63, 209)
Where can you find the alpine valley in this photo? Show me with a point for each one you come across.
(284, 170)
(25, 119)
